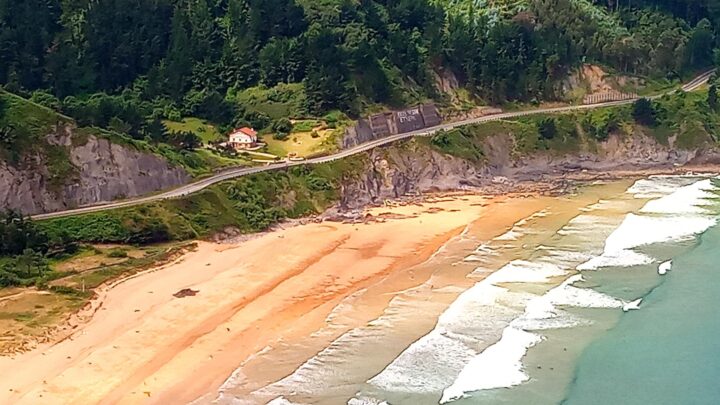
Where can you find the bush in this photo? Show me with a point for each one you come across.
(600, 123)
(24, 270)
(282, 125)
(117, 253)
(281, 136)
(547, 128)
(18, 234)
(185, 140)
(45, 99)
(644, 112)
(151, 231)
(306, 125)
(210, 105)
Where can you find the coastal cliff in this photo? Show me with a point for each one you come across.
(82, 169)
(490, 158)
(414, 167)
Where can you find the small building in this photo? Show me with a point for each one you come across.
(243, 138)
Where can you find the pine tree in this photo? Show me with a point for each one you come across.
(179, 59)
(712, 98)
(644, 112)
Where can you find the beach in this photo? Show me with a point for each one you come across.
(143, 345)
(412, 302)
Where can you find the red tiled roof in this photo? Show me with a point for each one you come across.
(247, 131)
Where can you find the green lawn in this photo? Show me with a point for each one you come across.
(206, 131)
(301, 143)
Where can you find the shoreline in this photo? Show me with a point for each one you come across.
(224, 355)
(91, 364)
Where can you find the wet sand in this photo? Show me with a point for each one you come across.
(144, 345)
(366, 331)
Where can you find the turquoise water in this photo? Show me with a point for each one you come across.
(668, 352)
(665, 353)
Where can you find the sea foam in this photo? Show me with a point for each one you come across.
(500, 365)
(686, 200)
(472, 321)
(675, 216)
(659, 186)
(664, 267)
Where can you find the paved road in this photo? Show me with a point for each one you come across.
(239, 172)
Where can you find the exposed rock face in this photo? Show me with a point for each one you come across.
(592, 79)
(397, 171)
(411, 168)
(104, 172)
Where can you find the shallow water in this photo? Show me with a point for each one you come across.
(617, 357)
(532, 316)
(667, 353)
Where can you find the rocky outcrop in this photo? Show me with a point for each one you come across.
(593, 80)
(413, 167)
(100, 171)
(394, 172)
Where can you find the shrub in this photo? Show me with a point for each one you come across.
(547, 128)
(644, 112)
(282, 125)
(281, 136)
(117, 253)
(45, 99)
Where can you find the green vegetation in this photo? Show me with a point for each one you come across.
(261, 105)
(28, 128)
(134, 69)
(306, 125)
(687, 117)
(250, 203)
(643, 112)
(206, 132)
(23, 129)
(26, 246)
(129, 71)
(305, 137)
(302, 142)
(123, 64)
(557, 134)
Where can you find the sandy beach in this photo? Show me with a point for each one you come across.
(144, 345)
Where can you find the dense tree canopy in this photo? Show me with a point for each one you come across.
(131, 62)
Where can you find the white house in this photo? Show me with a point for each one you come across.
(243, 138)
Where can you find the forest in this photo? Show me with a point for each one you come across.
(125, 64)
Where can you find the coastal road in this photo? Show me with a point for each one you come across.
(245, 171)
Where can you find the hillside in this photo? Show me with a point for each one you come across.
(123, 64)
(121, 97)
(48, 163)
(176, 74)
(499, 156)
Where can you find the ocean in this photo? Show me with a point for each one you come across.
(569, 307)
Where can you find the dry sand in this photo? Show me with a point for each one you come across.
(146, 346)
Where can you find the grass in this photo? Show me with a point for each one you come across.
(27, 318)
(306, 125)
(30, 124)
(281, 101)
(206, 131)
(250, 204)
(301, 143)
(95, 277)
